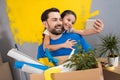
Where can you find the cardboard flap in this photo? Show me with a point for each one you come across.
(5, 73)
(0, 59)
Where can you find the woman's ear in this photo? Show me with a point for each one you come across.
(45, 24)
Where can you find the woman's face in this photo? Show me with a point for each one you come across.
(68, 21)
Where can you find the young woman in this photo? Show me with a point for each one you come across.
(68, 20)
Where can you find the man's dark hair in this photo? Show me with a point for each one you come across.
(44, 15)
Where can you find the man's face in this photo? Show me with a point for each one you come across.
(54, 23)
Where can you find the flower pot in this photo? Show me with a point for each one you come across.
(113, 60)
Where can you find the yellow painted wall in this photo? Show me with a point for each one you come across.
(24, 16)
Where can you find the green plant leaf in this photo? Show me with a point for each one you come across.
(110, 44)
(83, 60)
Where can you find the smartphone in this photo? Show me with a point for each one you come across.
(89, 24)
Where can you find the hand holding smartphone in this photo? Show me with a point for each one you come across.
(90, 23)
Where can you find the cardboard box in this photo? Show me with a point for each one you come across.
(0, 59)
(5, 73)
(36, 77)
(90, 74)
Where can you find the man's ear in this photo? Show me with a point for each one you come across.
(45, 24)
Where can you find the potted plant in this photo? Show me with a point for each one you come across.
(83, 60)
(110, 46)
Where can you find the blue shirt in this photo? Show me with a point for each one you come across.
(64, 51)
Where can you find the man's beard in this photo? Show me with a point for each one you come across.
(57, 32)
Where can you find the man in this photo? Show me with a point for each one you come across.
(52, 21)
